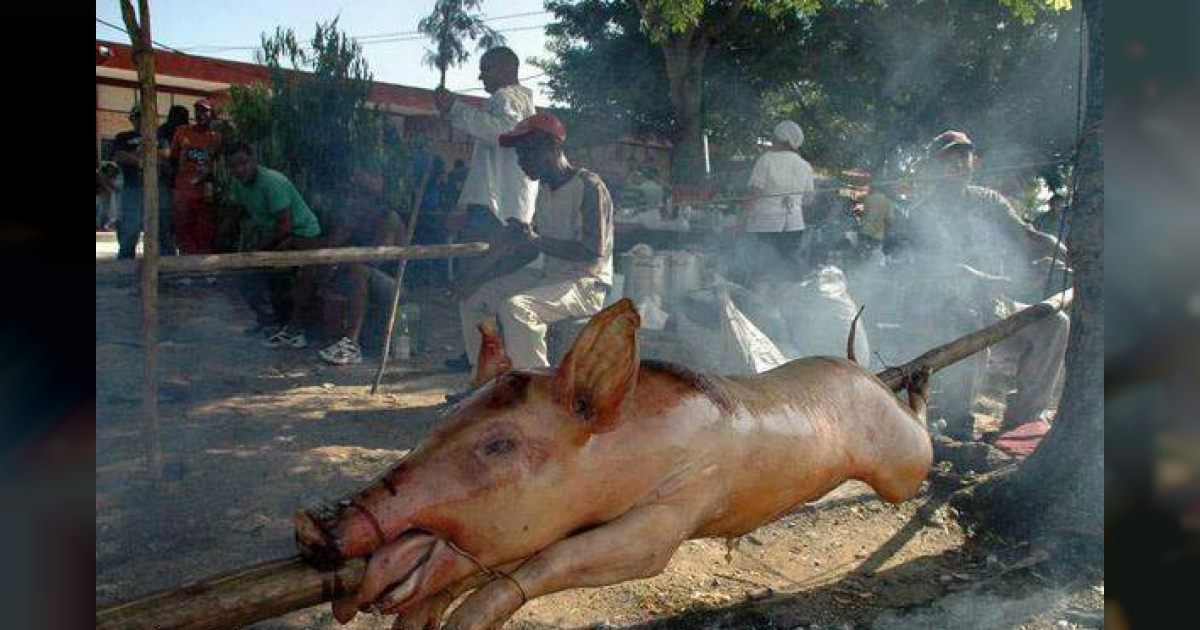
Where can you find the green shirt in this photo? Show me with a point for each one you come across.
(267, 196)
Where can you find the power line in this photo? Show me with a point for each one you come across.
(396, 36)
(528, 78)
(163, 46)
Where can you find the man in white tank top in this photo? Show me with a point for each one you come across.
(572, 229)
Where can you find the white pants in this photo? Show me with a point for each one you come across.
(1040, 349)
(525, 303)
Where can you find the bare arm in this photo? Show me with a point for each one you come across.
(1043, 245)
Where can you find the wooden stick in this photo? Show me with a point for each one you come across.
(212, 263)
(419, 196)
(138, 27)
(950, 353)
(235, 599)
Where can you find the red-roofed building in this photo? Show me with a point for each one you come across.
(183, 79)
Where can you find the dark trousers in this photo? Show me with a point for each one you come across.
(769, 257)
(129, 227)
(268, 294)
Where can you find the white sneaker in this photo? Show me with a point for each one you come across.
(342, 352)
(285, 337)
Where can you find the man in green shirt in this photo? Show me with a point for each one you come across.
(275, 217)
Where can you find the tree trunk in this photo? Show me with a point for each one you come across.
(684, 57)
(143, 54)
(1059, 489)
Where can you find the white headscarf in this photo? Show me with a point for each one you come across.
(790, 133)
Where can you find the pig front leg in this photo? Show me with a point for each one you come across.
(636, 545)
(428, 613)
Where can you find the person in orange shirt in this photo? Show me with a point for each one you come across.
(193, 149)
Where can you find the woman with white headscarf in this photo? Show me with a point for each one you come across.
(773, 213)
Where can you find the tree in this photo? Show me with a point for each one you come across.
(1060, 487)
(686, 31)
(137, 24)
(449, 24)
(838, 70)
(313, 121)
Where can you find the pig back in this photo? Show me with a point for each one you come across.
(790, 435)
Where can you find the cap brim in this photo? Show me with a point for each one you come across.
(509, 140)
(956, 143)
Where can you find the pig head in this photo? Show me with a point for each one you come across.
(594, 472)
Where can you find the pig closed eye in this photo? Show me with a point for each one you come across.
(499, 446)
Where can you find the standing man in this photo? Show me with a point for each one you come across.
(276, 217)
(495, 190)
(773, 216)
(177, 117)
(572, 228)
(972, 256)
(193, 149)
(127, 154)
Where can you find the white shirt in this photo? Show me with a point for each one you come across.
(774, 173)
(495, 180)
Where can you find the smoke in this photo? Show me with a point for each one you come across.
(1012, 88)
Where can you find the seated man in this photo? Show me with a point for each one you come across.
(275, 218)
(572, 227)
(363, 220)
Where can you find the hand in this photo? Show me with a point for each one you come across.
(519, 231)
(443, 99)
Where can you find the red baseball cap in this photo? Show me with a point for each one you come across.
(541, 121)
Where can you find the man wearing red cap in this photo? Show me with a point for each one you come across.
(971, 258)
(193, 149)
(572, 229)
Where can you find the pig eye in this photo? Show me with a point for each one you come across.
(499, 446)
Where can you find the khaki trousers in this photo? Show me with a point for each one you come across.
(525, 303)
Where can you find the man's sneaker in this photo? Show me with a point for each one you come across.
(342, 352)
(285, 337)
(459, 363)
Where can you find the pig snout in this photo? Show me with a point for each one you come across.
(349, 529)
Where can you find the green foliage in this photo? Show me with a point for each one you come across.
(313, 121)
(450, 25)
(666, 17)
(868, 81)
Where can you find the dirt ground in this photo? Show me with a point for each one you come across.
(250, 434)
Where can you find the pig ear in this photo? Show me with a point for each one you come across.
(492, 360)
(601, 369)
